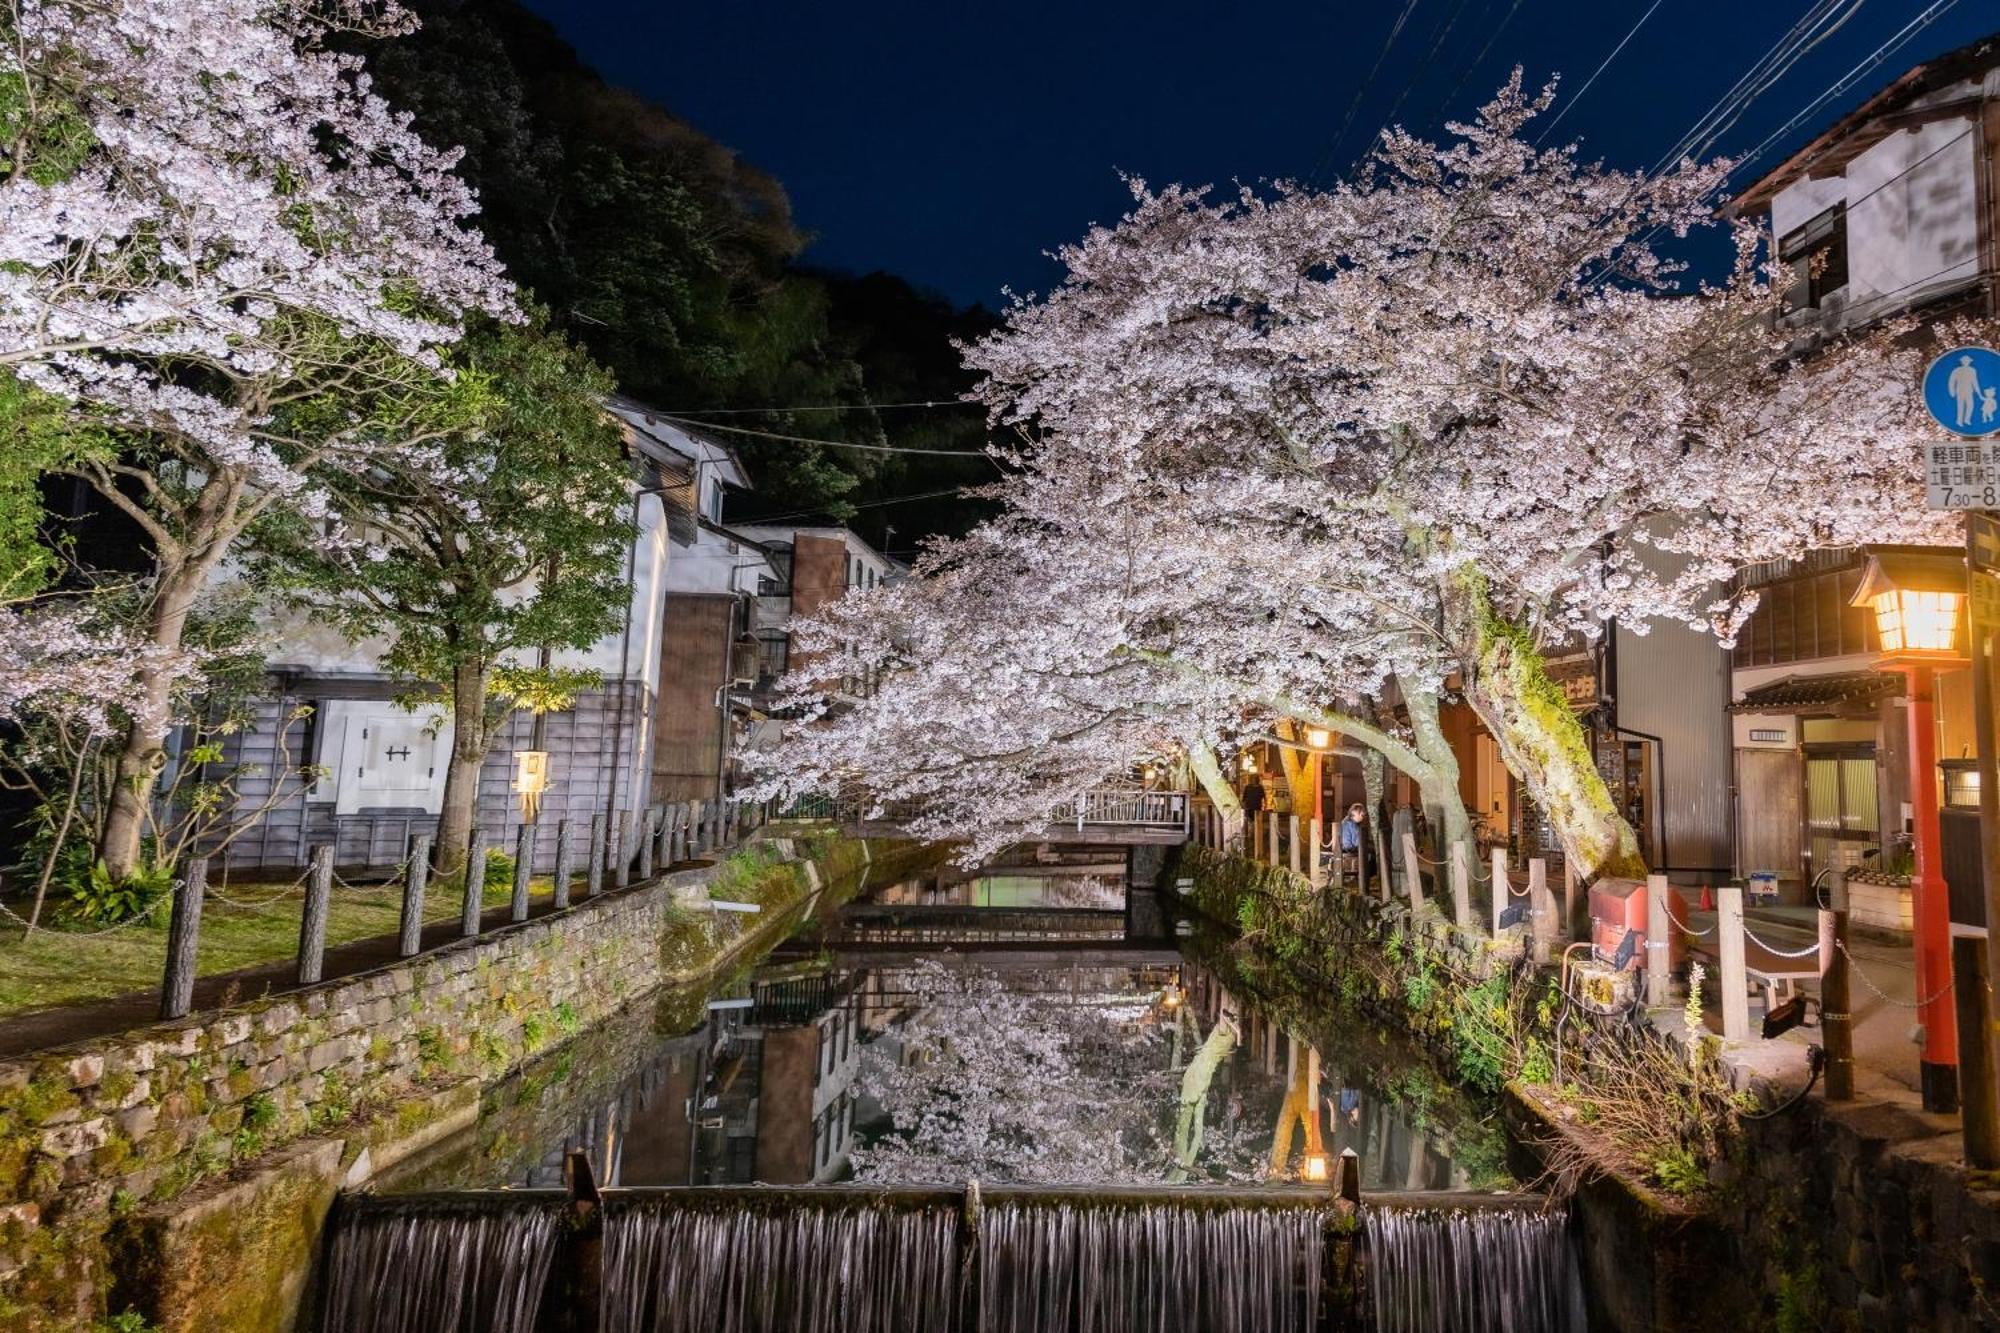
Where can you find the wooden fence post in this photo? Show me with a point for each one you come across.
(1461, 887)
(1979, 1116)
(663, 839)
(1292, 827)
(1413, 875)
(1569, 899)
(621, 851)
(416, 878)
(1735, 978)
(524, 869)
(1318, 861)
(565, 863)
(473, 901)
(1382, 869)
(1541, 908)
(1500, 889)
(312, 921)
(183, 937)
(1835, 1013)
(649, 822)
(593, 880)
(1659, 951)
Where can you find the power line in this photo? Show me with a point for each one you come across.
(830, 444)
(829, 407)
(1361, 91)
(1443, 34)
(1623, 43)
(865, 504)
(1444, 107)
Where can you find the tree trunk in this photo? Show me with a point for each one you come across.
(470, 740)
(1541, 740)
(1189, 1129)
(1443, 808)
(1208, 772)
(1300, 770)
(143, 753)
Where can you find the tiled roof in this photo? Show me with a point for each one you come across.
(1811, 694)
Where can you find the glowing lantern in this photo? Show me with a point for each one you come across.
(1916, 599)
(1319, 738)
(1318, 1168)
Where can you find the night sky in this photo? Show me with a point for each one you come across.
(954, 143)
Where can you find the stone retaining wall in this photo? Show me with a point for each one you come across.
(115, 1143)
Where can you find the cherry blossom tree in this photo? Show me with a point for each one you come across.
(236, 263)
(1461, 388)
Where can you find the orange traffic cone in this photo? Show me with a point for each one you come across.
(1707, 899)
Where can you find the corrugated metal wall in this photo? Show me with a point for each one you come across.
(1673, 683)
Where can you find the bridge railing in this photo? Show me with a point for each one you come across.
(1102, 807)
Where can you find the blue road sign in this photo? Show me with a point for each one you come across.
(1962, 390)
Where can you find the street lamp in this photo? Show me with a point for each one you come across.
(1319, 740)
(1318, 1168)
(1916, 600)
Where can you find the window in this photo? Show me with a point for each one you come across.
(1816, 255)
(774, 651)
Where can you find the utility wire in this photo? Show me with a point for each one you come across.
(1444, 107)
(830, 444)
(1346, 124)
(827, 407)
(1437, 44)
(1606, 64)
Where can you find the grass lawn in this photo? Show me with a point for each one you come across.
(52, 968)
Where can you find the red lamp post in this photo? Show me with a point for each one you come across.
(1917, 601)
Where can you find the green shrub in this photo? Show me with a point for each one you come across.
(96, 900)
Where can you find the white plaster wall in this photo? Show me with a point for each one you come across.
(1912, 216)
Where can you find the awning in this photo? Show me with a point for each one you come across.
(1813, 694)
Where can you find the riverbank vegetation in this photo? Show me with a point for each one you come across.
(1628, 1101)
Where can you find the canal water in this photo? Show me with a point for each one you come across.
(1017, 1102)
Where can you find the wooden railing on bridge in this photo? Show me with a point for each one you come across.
(1143, 809)
(911, 924)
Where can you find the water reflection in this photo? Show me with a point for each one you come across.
(937, 1072)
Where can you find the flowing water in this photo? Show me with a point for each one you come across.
(801, 1270)
(1160, 1268)
(438, 1266)
(1079, 1079)
(1473, 1271)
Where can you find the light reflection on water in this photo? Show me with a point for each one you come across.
(812, 1072)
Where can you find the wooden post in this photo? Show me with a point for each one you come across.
(1659, 941)
(1735, 979)
(1413, 875)
(1978, 1109)
(593, 879)
(1381, 865)
(649, 822)
(1541, 908)
(1461, 886)
(312, 921)
(524, 869)
(1836, 1016)
(1318, 858)
(1292, 827)
(415, 879)
(1271, 828)
(183, 936)
(565, 863)
(621, 851)
(1499, 886)
(473, 901)
(695, 830)
(1569, 900)
(663, 838)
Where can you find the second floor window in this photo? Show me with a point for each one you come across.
(1815, 255)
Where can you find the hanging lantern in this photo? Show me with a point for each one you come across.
(1916, 601)
(531, 779)
(1318, 1168)
(1319, 738)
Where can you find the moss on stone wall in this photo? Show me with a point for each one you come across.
(162, 1118)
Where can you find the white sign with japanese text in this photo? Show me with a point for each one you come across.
(1962, 474)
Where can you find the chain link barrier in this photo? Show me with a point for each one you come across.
(128, 923)
(1883, 995)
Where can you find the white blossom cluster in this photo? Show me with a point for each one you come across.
(1294, 451)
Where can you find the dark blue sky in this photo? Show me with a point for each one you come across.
(953, 143)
